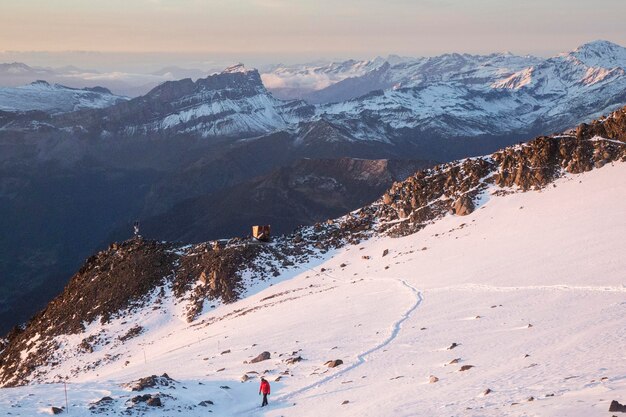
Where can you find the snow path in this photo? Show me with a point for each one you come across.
(362, 357)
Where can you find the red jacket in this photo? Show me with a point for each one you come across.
(265, 387)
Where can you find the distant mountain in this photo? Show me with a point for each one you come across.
(55, 98)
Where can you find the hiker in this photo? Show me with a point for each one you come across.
(265, 390)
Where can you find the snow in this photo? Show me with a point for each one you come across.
(53, 98)
(539, 273)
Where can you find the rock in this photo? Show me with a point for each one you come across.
(334, 363)
(531, 398)
(278, 378)
(205, 403)
(244, 378)
(154, 402)
(452, 346)
(140, 398)
(463, 206)
(291, 361)
(487, 391)
(433, 379)
(261, 357)
(225, 352)
(466, 368)
(385, 252)
(616, 406)
(342, 266)
(453, 361)
(345, 402)
(366, 257)
(56, 410)
(150, 382)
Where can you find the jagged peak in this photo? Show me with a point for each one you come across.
(238, 69)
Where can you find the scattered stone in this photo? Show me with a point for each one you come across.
(342, 266)
(453, 361)
(56, 410)
(433, 379)
(278, 378)
(616, 406)
(224, 387)
(345, 402)
(205, 403)
(529, 326)
(225, 352)
(366, 257)
(334, 363)
(221, 369)
(385, 252)
(531, 398)
(133, 332)
(261, 357)
(244, 378)
(452, 346)
(466, 368)
(487, 392)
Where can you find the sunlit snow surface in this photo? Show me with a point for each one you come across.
(552, 259)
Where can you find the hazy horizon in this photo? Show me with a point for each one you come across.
(148, 34)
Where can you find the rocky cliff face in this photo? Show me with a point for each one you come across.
(456, 187)
(138, 272)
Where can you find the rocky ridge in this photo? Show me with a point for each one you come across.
(140, 272)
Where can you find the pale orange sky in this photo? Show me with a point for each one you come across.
(320, 28)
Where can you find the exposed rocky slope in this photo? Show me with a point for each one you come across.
(138, 271)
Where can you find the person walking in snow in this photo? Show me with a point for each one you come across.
(265, 390)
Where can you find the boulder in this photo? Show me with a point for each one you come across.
(334, 363)
(263, 356)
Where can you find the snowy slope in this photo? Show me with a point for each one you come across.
(55, 98)
(536, 273)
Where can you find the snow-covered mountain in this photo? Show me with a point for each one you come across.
(467, 96)
(232, 103)
(489, 286)
(55, 98)
(410, 103)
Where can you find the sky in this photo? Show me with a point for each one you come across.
(297, 30)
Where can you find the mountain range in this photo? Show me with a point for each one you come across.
(192, 151)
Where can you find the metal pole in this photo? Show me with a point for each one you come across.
(67, 408)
